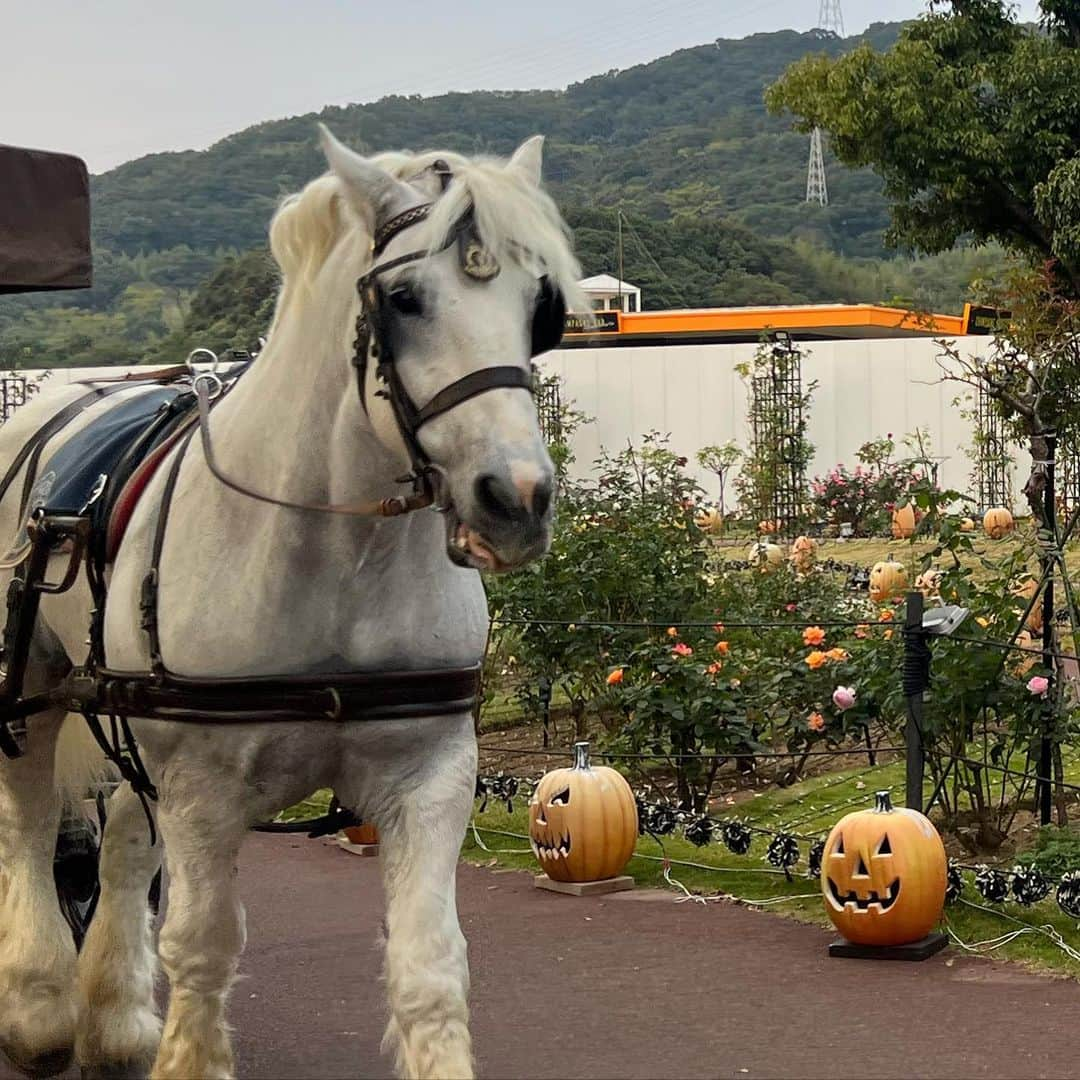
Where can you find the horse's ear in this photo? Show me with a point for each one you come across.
(529, 157)
(372, 191)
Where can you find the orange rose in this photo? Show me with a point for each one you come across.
(672, 632)
(816, 722)
(887, 635)
(722, 647)
(813, 635)
(815, 659)
(837, 654)
(714, 668)
(615, 677)
(886, 616)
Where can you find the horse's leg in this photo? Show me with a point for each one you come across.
(37, 953)
(203, 934)
(119, 1027)
(420, 831)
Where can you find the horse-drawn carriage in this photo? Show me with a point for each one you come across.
(45, 246)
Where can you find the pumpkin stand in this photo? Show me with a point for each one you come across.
(583, 826)
(362, 839)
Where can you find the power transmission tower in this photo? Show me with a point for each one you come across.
(817, 190)
(831, 19)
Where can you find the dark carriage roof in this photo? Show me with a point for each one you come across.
(44, 221)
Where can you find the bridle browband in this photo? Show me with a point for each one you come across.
(372, 344)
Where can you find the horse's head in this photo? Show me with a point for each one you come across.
(470, 263)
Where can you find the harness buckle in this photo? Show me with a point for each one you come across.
(334, 712)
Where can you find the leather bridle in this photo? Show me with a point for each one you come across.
(372, 345)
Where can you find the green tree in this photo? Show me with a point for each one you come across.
(970, 119)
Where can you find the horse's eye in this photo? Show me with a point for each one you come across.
(404, 300)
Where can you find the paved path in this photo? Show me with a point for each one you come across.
(626, 986)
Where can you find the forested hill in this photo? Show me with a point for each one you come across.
(711, 189)
(684, 134)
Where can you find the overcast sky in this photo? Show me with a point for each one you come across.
(111, 80)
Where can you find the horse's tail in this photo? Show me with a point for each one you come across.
(80, 766)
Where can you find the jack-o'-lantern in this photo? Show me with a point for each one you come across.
(903, 522)
(883, 875)
(803, 553)
(888, 579)
(709, 520)
(997, 522)
(967, 525)
(765, 556)
(583, 821)
(929, 583)
(1024, 591)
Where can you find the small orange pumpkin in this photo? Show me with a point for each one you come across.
(709, 520)
(1025, 656)
(1025, 590)
(883, 875)
(583, 821)
(803, 554)
(967, 525)
(888, 579)
(364, 833)
(903, 522)
(997, 522)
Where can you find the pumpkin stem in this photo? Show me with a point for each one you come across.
(882, 803)
(581, 755)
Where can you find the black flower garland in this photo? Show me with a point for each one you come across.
(1025, 884)
(1068, 894)
(700, 831)
(993, 885)
(1029, 884)
(736, 836)
(783, 851)
(954, 883)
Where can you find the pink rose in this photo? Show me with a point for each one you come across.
(1038, 684)
(843, 697)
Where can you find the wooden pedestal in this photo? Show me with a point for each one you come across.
(585, 888)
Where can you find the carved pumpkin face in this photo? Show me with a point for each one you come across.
(929, 583)
(997, 522)
(883, 875)
(903, 521)
(583, 821)
(887, 579)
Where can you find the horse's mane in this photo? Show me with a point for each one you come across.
(512, 215)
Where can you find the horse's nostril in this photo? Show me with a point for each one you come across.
(498, 496)
(541, 497)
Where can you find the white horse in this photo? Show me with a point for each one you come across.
(248, 588)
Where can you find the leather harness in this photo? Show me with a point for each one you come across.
(98, 691)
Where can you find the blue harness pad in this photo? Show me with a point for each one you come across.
(77, 472)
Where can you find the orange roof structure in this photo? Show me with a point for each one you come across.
(807, 322)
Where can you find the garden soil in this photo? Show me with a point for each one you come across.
(629, 985)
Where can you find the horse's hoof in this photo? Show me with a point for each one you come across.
(118, 1070)
(50, 1063)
